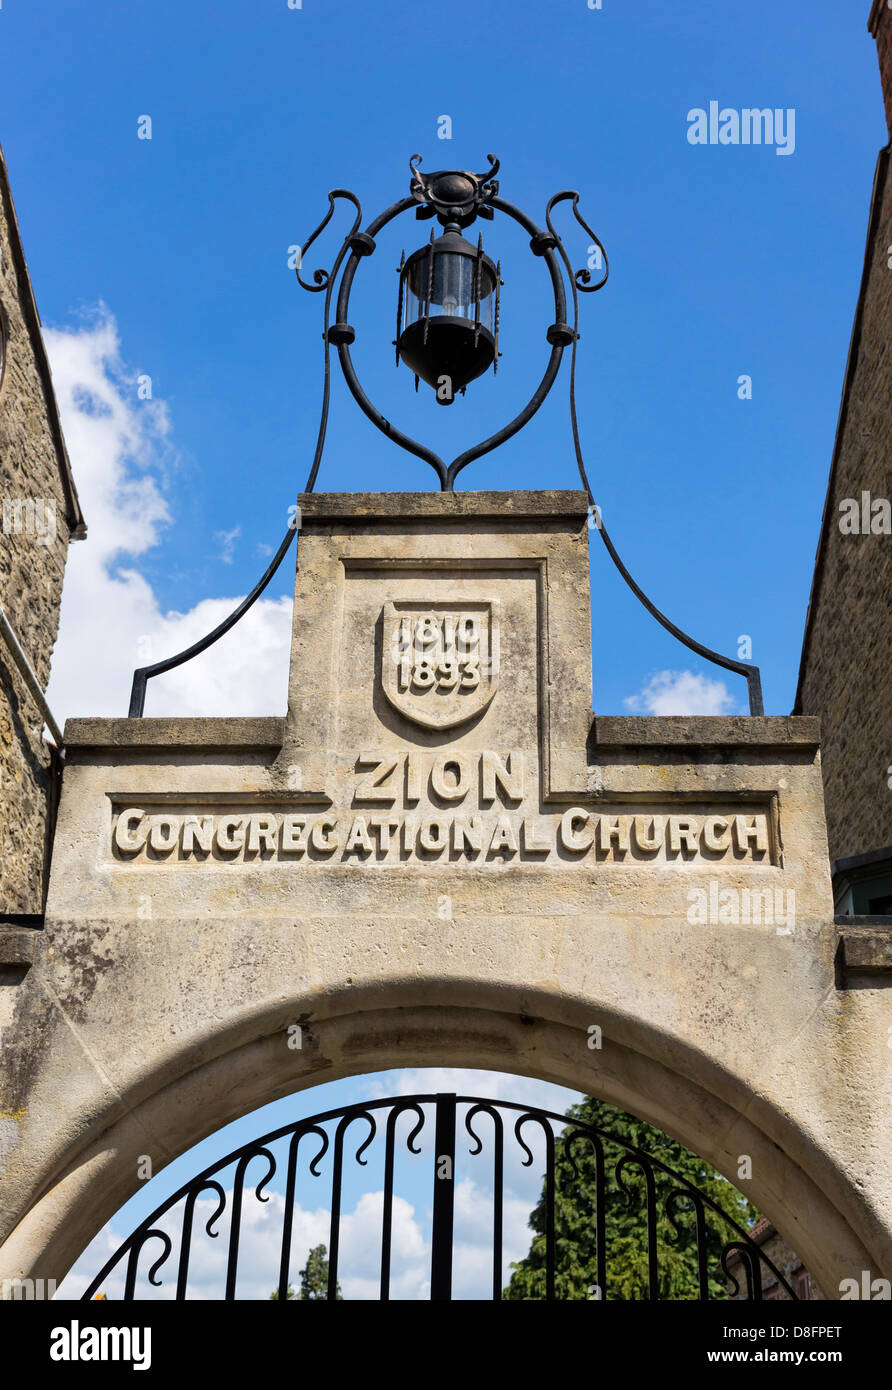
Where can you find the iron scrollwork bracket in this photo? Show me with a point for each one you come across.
(451, 196)
(322, 282)
(581, 282)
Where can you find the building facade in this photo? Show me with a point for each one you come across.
(846, 668)
(39, 515)
(368, 991)
(785, 1260)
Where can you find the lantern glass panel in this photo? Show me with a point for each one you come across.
(452, 290)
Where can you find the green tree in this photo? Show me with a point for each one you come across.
(313, 1277)
(626, 1260)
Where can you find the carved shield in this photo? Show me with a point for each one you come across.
(440, 661)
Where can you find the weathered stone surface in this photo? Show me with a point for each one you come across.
(785, 1261)
(867, 949)
(383, 507)
(17, 945)
(253, 733)
(710, 731)
(38, 510)
(473, 895)
(846, 664)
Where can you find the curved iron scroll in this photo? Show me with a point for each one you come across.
(144, 673)
(624, 1175)
(580, 282)
(342, 334)
(322, 280)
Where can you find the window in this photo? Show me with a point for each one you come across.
(862, 885)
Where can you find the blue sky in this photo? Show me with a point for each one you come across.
(725, 260)
(361, 1206)
(169, 257)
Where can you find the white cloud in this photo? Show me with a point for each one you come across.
(111, 621)
(227, 541)
(359, 1268)
(681, 692)
(359, 1260)
(361, 1219)
(467, 1081)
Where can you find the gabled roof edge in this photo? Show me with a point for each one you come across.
(873, 220)
(873, 21)
(75, 517)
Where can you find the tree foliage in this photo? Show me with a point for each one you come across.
(313, 1278)
(626, 1263)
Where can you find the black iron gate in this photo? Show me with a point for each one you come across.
(620, 1172)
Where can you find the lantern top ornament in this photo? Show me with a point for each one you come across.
(454, 195)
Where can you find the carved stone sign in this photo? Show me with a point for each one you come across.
(440, 857)
(450, 810)
(440, 663)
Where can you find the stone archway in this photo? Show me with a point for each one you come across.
(172, 1110)
(496, 888)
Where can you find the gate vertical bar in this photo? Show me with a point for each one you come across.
(444, 1200)
(444, 1109)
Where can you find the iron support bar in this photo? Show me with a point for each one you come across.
(578, 282)
(28, 676)
(444, 1200)
(145, 673)
(628, 1183)
(742, 668)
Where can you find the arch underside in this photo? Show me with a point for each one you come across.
(188, 1095)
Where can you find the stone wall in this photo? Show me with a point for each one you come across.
(35, 522)
(790, 1265)
(847, 654)
(438, 858)
(784, 1259)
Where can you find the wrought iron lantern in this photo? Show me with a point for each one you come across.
(448, 313)
(447, 333)
(449, 299)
